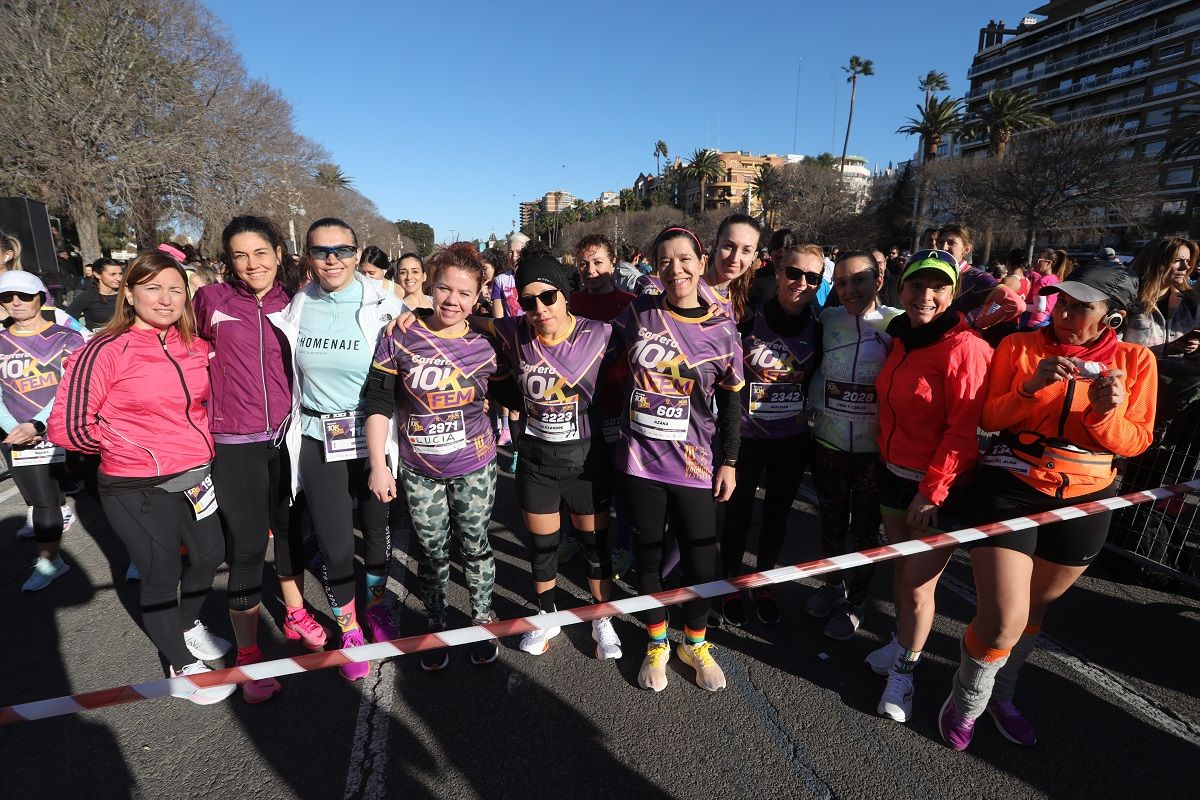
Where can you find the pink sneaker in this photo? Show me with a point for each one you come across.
(354, 670)
(261, 690)
(379, 623)
(504, 438)
(956, 729)
(301, 625)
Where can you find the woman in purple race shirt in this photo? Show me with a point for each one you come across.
(677, 456)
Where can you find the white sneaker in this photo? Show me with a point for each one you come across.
(44, 573)
(68, 517)
(203, 645)
(896, 701)
(201, 697)
(537, 641)
(131, 574)
(26, 530)
(881, 660)
(608, 644)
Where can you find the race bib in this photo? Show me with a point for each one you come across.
(1001, 455)
(43, 453)
(851, 401)
(612, 429)
(345, 436)
(776, 400)
(659, 416)
(437, 434)
(553, 422)
(203, 497)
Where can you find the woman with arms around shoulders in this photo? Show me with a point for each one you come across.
(1066, 400)
(677, 456)
(136, 394)
(331, 327)
(930, 395)
(248, 411)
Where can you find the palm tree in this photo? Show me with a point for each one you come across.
(933, 81)
(660, 151)
(1005, 114)
(331, 176)
(937, 120)
(628, 199)
(768, 184)
(704, 166)
(857, 66)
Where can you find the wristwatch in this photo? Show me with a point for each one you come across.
(38, 426)
(729, 462)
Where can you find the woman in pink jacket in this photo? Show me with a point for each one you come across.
(135, 395)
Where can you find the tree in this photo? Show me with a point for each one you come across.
(814, 201)
(768, 184)
(331, 176)
(936, 121)
(856, 68)
(628, 199)
(1004, 114)
(660, 151)
(704, 166)
(932, 82)
(417, 236)
(1063, 178)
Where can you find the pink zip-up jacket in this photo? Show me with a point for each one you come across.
(138, 401)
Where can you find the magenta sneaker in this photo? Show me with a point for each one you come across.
(354, 670)
(301, 625)
(379, 623)
(956, 729)
(1012, 723)
(261, 690)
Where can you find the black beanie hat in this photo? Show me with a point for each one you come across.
(543, 269)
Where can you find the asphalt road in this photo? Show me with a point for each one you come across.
(1113, 695)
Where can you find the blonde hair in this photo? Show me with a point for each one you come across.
(143, 268)
(10, 242)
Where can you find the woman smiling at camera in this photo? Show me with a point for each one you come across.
(1067, 400)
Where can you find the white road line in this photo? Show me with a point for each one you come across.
(9, 492)
(1111, 684)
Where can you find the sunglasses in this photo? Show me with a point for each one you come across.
(795, 274)
(340, 251)
(528, 302)
(940, 255)
(8, 297)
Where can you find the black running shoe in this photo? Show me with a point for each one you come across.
(438, 658)
(733, 608)
(486, 651)
(767, 606)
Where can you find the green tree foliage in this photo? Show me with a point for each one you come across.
(1003, 115)
(416, 236)
(703, 167)
(858, 67)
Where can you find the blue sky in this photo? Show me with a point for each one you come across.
(451, 112)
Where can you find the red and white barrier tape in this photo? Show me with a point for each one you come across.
(167, 687)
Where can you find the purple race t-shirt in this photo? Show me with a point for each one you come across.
(675, 367)
(444, 431)
(773, 399)
(504, 289)
(556, 379)
(31, 366)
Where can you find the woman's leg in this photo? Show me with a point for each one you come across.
(785, 471)
(240, 477)
(150, 530)
(648, 513)
(39, 488)
(864, 522)
(288, 543)
(329, 492)
(739, 511)
(471, 499)
(429, 511)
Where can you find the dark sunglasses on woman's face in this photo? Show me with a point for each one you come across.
(8, 297)
(795, 274)
(528, 302)
(340, 251)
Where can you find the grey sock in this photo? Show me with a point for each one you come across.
(973, 683)
(1006, 678)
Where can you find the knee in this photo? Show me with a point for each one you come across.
(545, 556)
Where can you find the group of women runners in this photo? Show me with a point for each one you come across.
(218, 420)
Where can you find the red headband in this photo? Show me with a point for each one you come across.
(693, 237)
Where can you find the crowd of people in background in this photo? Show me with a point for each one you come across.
(642, 399)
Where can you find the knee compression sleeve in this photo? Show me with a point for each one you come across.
(544, 556)
(597, 553)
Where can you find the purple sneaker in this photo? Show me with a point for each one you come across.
(1012, 723)
(354, 670)
(955, 728)
(379, 623)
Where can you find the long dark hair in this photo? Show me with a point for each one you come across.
(248, 223)
(739, 287)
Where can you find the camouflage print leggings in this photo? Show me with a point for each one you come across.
(463, 505)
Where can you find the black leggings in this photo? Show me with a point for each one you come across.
(693, 517)
(254, 484)
(153, 524)
(331, 488)
(847, 485)
(784, 461)
(39, 487)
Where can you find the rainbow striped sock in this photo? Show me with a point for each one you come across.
(657, 631)
(906, 662)
(694, 637)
